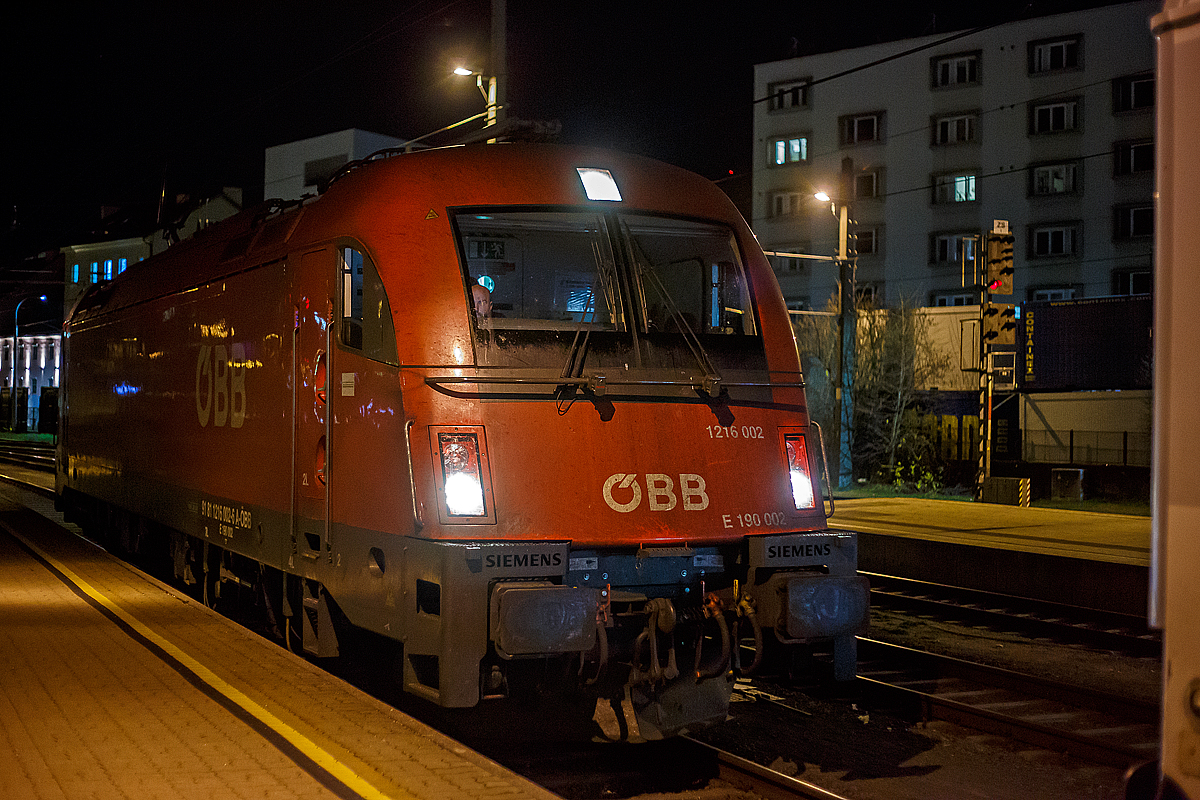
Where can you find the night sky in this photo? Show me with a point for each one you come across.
(109, 103)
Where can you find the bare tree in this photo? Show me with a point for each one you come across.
(895, 358)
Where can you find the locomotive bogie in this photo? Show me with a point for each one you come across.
(593, 474)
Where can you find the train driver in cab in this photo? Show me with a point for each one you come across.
(483, 301)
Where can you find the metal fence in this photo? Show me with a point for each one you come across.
(1125, 448)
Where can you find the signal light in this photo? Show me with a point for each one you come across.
(1000, 263)
(797, 456)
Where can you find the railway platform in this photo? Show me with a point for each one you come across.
(1076, 558)
(118, 686)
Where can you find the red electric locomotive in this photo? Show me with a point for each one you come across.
(534, 412)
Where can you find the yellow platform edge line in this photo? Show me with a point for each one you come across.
(318, 754)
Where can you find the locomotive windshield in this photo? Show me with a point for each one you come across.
(643, 300)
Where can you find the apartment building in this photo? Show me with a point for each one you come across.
(1045, 123)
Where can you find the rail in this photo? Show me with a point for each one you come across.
(1109, 630)
(1096, 726)
(31, 454)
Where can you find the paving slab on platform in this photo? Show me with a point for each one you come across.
(118, 686)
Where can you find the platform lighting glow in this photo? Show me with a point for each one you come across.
(462, 71)
(824, 198)
(599, 184)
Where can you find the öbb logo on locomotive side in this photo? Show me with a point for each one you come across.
(660, 490)
(221, 385)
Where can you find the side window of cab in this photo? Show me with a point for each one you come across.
(366, 313)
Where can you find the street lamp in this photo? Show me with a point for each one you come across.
(489, 94)
(846, 259)
(16, 340)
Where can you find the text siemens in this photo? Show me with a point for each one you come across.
(509, 560)
(799, 550)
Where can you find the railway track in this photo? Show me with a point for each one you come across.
(1123, 633)
(1103, 728)
(31, 454)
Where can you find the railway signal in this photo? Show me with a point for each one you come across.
(1000, 263)
(999, 324)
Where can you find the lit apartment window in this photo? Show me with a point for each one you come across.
(1053, 179)
(1056, 117)
(956, 70)
(866, 185)
(1133, 157)
(788, 95)
(1049, 241)
(785, 204)
(952, 248)
(1133, 92)
(954, 188)
(1051, 55)
(954, 129)
(789, 150)
(1133, 222)
(862, 128)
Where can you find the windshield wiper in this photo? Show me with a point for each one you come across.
(710, 383)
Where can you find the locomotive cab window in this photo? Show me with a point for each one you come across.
(366, 313)
(689, 276)
(655, 299)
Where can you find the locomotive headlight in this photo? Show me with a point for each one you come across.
(462, 478)
(797, 457)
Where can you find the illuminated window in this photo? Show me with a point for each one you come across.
(954, 189)
(789, 150)
(122, 265)
(95, 272)
(108, 269)
(75, 274)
